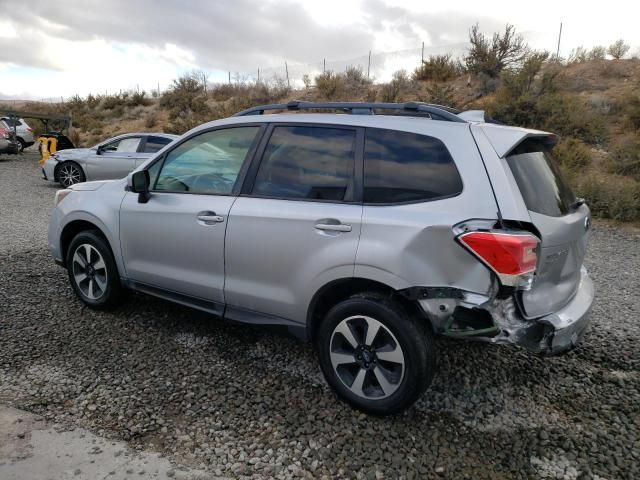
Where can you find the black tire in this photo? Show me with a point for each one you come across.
(411, 334)
(106, 290)
(22, 145)
(69, 173)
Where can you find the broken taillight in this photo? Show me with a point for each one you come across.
(512, 256)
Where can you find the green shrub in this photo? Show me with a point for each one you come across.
(624, 158)
(330, 85)
(611, 196)
(564, 114)
(572, 154)
(151, 119)
(632, 110)
(399, 89)
(355, 80)
(437, 68)
(139, 98)
(490, 56)
(441, 94)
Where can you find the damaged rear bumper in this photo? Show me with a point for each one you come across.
(498, 320)
(561, 331)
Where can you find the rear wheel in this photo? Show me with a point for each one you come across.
(92, 271)
(70, 173)
(374, 354)
(22, 145)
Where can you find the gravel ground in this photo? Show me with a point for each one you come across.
(239, 401)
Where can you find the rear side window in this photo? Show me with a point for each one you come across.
(155, 144)
(539, 179)
(407, 167)
(303, 162)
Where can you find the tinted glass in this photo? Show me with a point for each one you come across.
(126, 145)
(207, 163)
(405, 167)
(539, 179)
(155, 144)
(307, 163)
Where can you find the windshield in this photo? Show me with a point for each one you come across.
(540, 180)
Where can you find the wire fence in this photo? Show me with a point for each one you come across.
(378, 66)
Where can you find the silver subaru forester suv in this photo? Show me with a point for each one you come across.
(366, 232)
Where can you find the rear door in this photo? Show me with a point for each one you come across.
(563, 223)
(297, 224)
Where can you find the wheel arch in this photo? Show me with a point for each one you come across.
(75, 227)
(340, 289)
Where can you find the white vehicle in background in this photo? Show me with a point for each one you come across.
(24, 133)
(112, 159)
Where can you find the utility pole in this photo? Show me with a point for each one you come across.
(286, 69)
(229, 77)
(258, 74)
(369, 65)
(422, 56)
(324, 65)
(559, 37)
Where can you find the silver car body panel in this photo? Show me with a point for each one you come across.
(107, 165)
(276, 257)
(165, 245)
(265, 260)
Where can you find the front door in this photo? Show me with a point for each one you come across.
(114, 160)
(175, 241)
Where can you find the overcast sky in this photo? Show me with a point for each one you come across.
(63, 47)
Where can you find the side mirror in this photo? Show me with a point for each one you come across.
(139, 182)
(99, 150)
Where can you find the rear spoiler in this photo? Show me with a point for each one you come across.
(504, 139)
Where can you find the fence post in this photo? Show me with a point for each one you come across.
(286, 69)
(369, 65)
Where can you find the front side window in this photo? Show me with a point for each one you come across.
(126, 145)
(307, 162)
(208, 163)
(155, 144)
(407, 167)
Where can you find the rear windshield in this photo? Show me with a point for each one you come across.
(541, 183)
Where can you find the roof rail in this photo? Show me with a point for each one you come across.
(436, 112)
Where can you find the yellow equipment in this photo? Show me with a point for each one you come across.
(48, 146)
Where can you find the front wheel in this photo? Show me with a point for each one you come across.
(70, 173)
(92, 271)
(374, 354)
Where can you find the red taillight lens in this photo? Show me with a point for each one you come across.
(505, 253)
(29, 129)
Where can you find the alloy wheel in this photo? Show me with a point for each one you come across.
(89, 271)
(367, 357)
(69, 175)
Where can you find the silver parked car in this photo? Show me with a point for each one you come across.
(366, 234)
(112, 159)
(24, 133)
